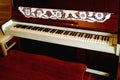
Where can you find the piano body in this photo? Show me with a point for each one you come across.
(90, 25)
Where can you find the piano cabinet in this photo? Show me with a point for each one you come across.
(93, 59)
(99, 59)
(89, 5)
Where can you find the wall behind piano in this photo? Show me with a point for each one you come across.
(5, 10)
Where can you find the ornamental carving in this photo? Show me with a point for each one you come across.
(60, 14)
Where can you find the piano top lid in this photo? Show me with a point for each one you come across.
(111, 6)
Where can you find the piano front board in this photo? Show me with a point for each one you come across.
(110, 6)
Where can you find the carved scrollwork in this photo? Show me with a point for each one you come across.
(60, 14)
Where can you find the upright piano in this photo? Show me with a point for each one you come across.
(91, 25)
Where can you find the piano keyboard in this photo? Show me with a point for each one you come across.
(92, 40)
(85, 37)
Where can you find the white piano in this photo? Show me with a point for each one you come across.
(92, 26)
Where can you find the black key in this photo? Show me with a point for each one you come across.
(23, 26)
(105, 38)
(40, 29)
(18, 26)
(86, 35)
(108, 38)
(82, 35)
(46, 30)
(102, 38)
(53, 30)
(71, 33)
(98, 37)
(66, 32)
(75, 33)
(29, 27)
(79, 34)
(91, 35)
(34, 28)
(59, 31)
(95, 37)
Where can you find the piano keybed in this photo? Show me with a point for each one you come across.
(86, 39)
